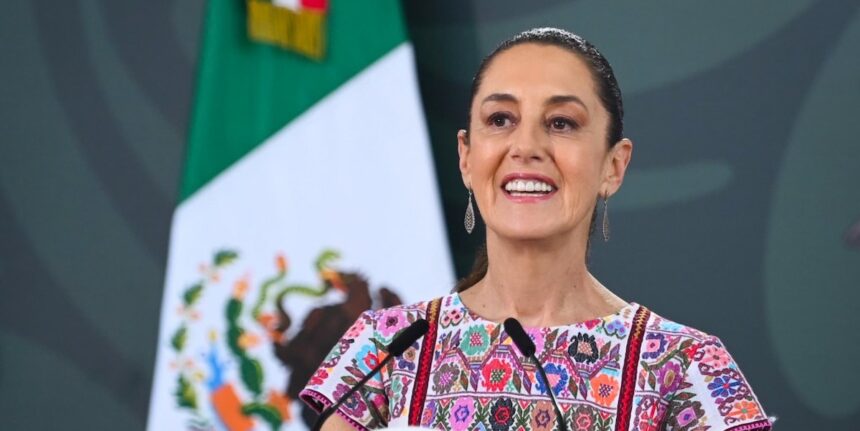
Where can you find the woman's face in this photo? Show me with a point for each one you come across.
(537, 156)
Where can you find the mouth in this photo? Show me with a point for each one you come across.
(528, 186)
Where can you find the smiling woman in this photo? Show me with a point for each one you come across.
(543, 145)
(585, 111)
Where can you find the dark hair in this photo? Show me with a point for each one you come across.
(607, 90)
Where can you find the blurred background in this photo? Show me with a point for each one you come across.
(740, 215)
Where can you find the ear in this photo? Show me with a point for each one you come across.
(463, 150)
(616, 166)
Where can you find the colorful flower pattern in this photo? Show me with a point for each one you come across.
(391, 321)
(496, 374)
(583, 348)
(475, 341)
(654, 345)
(366, 359)
(604, 389)
(502, 414)
(685, 380)
(462, 413)
(558, 378)
(542, 416)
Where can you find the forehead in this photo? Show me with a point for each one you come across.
(537, 70)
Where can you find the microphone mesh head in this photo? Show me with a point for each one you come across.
(409, 335)
(521, 339)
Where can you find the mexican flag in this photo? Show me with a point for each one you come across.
(308, 197)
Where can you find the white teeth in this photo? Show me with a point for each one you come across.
(528, 186)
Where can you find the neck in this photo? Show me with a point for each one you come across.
(541, 283)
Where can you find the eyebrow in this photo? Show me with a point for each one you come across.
(567, 98)
(554, 100)
(499, 97)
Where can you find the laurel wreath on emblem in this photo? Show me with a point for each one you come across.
(301, 354)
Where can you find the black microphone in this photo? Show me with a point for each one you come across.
(527, 348)
(396, 348)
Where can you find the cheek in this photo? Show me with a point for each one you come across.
(581, 174)
(484, 161)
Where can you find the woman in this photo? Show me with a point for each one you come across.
(543, 149)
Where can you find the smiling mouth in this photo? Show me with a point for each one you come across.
(528, 187)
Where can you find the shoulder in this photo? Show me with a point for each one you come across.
(662, 325)
(417, 309)
(664, 338)
(695, 373)
(662, 335)
(388, 321)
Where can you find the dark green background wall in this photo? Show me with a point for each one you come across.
(740, 215)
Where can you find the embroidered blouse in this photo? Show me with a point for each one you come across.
(631, 370)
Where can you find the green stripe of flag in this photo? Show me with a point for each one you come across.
(246, 90)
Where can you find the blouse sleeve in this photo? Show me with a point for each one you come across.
(350, 360)
(714, 394)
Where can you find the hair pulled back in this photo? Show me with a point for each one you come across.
(607, 90)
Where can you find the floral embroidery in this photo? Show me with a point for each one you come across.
(542, 416)
(604, 389)
(407, 360)
(450, 317)
(616, 327)
(715, 357)
(475, 341)
(583, 348)
(429, 413)
(654, 345)
(445, 377)
(353, 405)
(334, 356)
(669, 326)
(399, 386)
(724, 386)
(355, 330)
(669, 378)
(649, 414)
(583, 419)
(502, 414)
(480, 381)
(319, 376)
(367, 359)
(745, 410)
(462, 413)
(555, 373)
(496, 375)
(686, 415)
(392, 321)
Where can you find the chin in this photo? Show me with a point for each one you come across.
(521, 232)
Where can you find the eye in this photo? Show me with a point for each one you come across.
(562, 124)
(500, 119)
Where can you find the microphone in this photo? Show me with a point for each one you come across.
(527, 347)
(396, 348)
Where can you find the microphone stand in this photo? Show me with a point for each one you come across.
(527, 347)
(561, 425)
(396, 348)
(329, 411)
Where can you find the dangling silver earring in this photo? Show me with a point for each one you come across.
(469, 220)
(605, 217)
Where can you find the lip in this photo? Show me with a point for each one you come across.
(528, 176)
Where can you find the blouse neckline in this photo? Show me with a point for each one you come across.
(626, 312)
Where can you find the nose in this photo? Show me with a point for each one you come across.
(529, 144)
